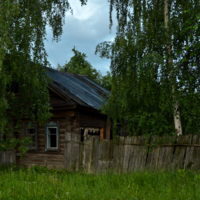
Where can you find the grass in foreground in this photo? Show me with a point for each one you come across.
(39, 183)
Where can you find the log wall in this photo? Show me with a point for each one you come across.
(67, 122)
(130, 154)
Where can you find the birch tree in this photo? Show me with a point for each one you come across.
(23, 60)
(177, 118)
(155, 66)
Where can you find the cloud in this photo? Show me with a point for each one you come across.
(84, 12)
(87, 27)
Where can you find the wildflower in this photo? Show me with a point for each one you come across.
(67, 193)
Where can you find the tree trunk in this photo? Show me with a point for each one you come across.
(177, 118)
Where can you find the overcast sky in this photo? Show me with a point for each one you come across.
(87, 27)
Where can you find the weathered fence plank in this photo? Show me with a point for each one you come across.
(180, 151)
(166, 153)
(128, 151)
(125, 155)
(138, 154)
(192, 160)
(76, 147)
(72, 151)
(195, 162)
(105, 155)
(118, 153)
(95, 154)
(153, 153)
(67, 152)
(87, 155)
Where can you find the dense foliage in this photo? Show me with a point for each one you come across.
(146, 85)
(23, 91)
(79, 65)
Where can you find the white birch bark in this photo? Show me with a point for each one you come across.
(177, 118)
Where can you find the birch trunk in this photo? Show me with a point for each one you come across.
(177, 118)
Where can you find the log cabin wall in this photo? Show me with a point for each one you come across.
(75, 101)
(66, 121)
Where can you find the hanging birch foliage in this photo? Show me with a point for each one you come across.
(155, 66)
(23, 91)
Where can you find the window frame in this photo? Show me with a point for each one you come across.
(48, 126)
(29, 126)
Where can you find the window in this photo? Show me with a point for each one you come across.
(52, 136)
(85, 132)
(31, 132)
(52, 141)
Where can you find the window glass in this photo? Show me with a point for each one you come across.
(52, 138)
(31, 130)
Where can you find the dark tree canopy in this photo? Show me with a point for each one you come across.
(23, 91)
(79, 65)
(145, 84)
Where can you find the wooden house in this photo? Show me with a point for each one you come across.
(75, 100)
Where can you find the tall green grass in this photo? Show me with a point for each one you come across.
(40, 183)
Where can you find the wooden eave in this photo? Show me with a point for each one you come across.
(65, 94)
(90, 109)
(59, 94)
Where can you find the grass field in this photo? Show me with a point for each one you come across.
(39, 183)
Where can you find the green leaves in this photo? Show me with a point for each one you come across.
(142, 97)
(23, 60)
(79, 65)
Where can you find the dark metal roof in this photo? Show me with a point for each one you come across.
(90, 82)
(78, 88)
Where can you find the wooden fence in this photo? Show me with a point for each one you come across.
(130, 154)
(7, 157)
(127, 154)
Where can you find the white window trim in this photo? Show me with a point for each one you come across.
(52, 125)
